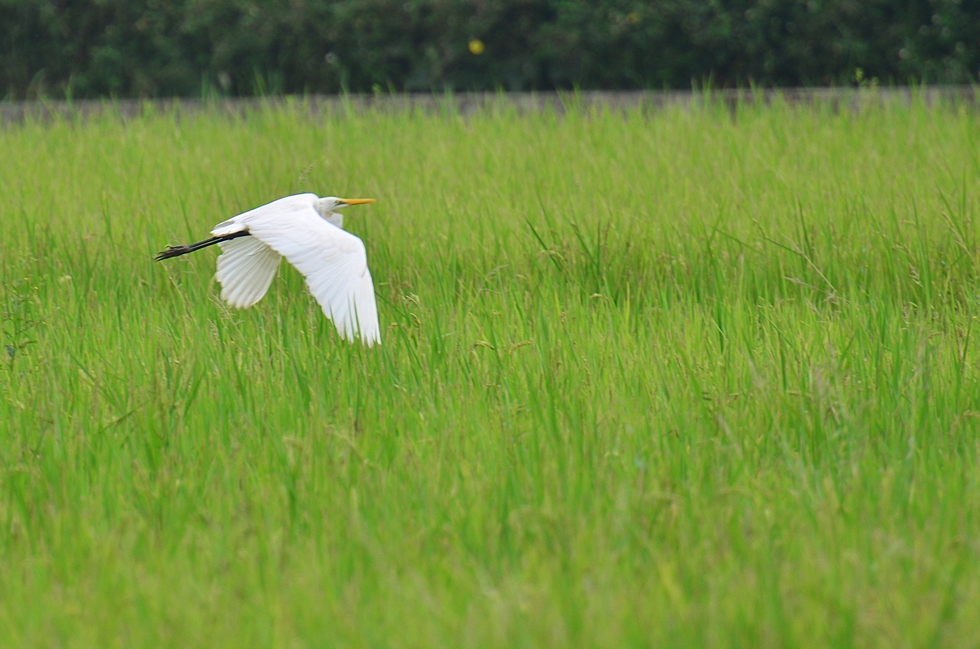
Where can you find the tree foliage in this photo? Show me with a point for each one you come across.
(87, 48)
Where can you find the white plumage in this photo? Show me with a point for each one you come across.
(246, 268)
(301, 229)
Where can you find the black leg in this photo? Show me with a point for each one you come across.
(177, 251)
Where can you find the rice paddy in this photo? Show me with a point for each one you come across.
(697, 377)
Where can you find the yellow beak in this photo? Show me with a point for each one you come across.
(356, 201)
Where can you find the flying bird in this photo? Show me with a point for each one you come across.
(308, 231)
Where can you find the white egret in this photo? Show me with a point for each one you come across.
(308, 231)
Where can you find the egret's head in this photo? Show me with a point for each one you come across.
(331, 204)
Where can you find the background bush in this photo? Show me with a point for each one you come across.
(87, 48)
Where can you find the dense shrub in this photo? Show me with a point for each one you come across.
(183, 47)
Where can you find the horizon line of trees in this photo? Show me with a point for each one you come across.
(180, 48)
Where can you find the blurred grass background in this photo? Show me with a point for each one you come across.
(697, 378)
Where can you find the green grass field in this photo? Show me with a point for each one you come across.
(689, 379)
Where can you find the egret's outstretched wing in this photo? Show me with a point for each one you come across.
(332, 260)
(246, 268)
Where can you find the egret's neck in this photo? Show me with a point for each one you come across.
(324, 206)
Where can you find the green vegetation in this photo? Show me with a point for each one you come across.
(694, 378)
(148, 48)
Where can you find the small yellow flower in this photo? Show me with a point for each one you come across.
(632, 18)
(477, 46)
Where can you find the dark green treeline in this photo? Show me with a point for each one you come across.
(156, 48)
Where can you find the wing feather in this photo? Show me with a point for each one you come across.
(246, 268)
(333, 261)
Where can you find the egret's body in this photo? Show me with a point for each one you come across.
(307, 231)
